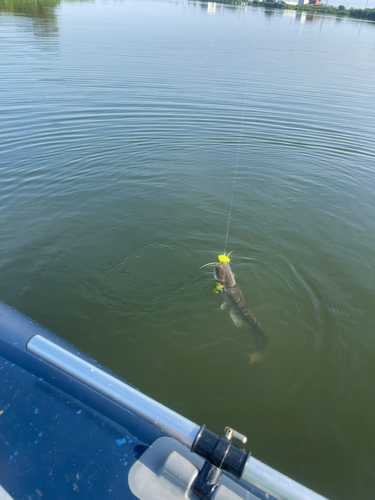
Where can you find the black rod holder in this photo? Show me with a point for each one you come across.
(207, 481)
(220, 455)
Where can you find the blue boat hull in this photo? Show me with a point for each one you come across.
(59, 438)
(69, 428)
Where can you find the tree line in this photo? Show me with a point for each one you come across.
(341, 10)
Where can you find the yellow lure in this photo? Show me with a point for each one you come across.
(223, 258)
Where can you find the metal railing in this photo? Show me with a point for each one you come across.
(177, 426)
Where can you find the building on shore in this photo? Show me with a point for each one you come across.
(300, 2)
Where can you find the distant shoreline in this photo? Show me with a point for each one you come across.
(340, 11)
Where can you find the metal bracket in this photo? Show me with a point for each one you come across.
(221, 455)
(167, 470)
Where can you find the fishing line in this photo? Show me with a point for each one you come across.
(236, 166)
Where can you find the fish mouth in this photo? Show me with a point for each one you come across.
(221, 258)
(218, 281)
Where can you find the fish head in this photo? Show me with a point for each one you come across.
(219, 272)
(223, 273)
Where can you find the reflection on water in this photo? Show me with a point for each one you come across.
(41, 9)
(269, 13)
(300, 17)
(211, 7)
(303, 17)
(42, 13)
(289, 13)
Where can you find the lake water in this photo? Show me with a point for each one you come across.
(121, 127)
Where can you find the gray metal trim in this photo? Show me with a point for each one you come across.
(275, 483)
(169, 421)
(256, 473)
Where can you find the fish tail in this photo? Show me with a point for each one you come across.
(261, 340)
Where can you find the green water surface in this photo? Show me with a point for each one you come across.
(121, 125)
